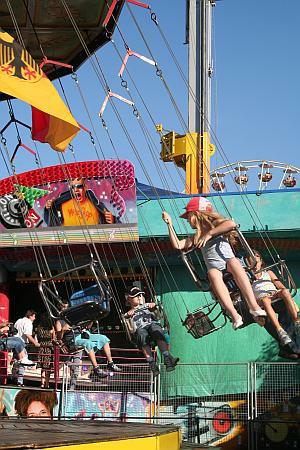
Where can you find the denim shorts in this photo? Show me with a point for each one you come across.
(216, 253)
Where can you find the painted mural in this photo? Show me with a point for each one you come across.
(67, 202)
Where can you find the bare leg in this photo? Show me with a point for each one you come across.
(43, 378)
(92, 357)
(242, 280)
(289, 303)
(107, 352)
(222, 293)
(21, 355)
(147, 351)
(266, 301)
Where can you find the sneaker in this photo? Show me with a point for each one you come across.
(20, 384)
(287, 355)
(26, 362)
(113, 367)
(170, 362)
(154, 368)
(284, 337)
(98, 373)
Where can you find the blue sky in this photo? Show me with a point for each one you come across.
(255, 89)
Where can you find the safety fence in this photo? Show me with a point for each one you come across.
(249, 405)
(265, 410)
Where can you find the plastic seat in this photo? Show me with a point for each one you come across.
(90, 303)
(84, 312)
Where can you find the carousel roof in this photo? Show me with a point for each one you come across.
(47, 31)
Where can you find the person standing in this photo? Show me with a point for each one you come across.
(45, 335)
(24, 327)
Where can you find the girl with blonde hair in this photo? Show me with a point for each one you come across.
(214, 237)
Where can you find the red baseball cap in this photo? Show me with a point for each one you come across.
(197, 204)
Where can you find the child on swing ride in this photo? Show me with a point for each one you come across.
(213, 236)
(145, 327)
(266, 288)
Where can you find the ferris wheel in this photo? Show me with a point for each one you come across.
(268, 174)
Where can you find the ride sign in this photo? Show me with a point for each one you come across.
(42, 206)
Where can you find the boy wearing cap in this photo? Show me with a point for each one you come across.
(145, 327)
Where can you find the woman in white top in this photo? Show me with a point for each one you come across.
(266, 288)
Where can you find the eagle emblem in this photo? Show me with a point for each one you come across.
(15, 61)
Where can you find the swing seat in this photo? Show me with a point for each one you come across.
(65, 349)
(198, 324)
(91, 303)
(85, 312)
(90, 294)
(86, 305)
(239, 302)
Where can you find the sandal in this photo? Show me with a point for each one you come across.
(238, 323)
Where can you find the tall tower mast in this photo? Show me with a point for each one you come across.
(199, 39)
(192, 151)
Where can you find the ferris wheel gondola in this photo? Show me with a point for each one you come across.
(240, 175)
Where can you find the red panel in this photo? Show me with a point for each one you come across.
(4, 307)
(122, 171)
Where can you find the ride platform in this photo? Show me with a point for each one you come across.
(87, 434)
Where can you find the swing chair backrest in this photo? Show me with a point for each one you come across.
(91, 303)
(198, 324)
(201, 284)
(84, 312)
(231, 285)
(87, 304)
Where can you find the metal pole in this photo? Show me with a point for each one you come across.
(199, 37)
(199, 15)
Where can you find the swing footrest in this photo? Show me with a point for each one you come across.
(198, 324)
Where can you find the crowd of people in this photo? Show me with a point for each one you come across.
(47, 335)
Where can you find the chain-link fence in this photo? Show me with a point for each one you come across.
(128, 395)
(244, 403)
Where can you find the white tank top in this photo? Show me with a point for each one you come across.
(263, 284)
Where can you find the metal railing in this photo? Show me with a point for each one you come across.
(213, 403)
(250, 404)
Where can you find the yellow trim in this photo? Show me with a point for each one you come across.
(191, 152)
(167, 441)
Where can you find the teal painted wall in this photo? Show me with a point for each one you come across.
(279, 214)
(276, 211)
(251, 343)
